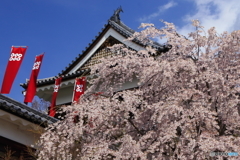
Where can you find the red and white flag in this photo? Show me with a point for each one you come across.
(14, 63)
(32, 85)
(52, 110)
(80, 84)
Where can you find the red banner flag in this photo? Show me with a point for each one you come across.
(79, 88)
(14, 63)
(32, 85)
(52, 110)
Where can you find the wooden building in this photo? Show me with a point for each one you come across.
(114, 32)
(20, 128)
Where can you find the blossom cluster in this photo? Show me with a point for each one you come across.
(185, 104)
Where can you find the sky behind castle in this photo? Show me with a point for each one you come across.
(63, 28)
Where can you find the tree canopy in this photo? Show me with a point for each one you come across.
(186, 102)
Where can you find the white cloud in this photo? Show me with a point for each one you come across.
(160, 10)
(222, 14)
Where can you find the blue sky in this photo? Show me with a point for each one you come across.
(63, 28)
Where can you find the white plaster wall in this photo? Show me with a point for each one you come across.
(129, 85)
(65, 95)
(18, 129)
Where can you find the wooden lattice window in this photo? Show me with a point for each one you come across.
(102, 52)
(96, 58)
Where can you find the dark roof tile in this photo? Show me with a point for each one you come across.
(51, 80)
(21, 110)
(113, 22)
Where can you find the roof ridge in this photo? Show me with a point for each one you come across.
(52, 79)
(126, 27)
(122, 27)
(21, 110)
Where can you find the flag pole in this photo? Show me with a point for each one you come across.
(20, 46)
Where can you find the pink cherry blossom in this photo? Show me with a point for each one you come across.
(185, 103)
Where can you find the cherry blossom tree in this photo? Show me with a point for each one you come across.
(40, 104)
(186, 102)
